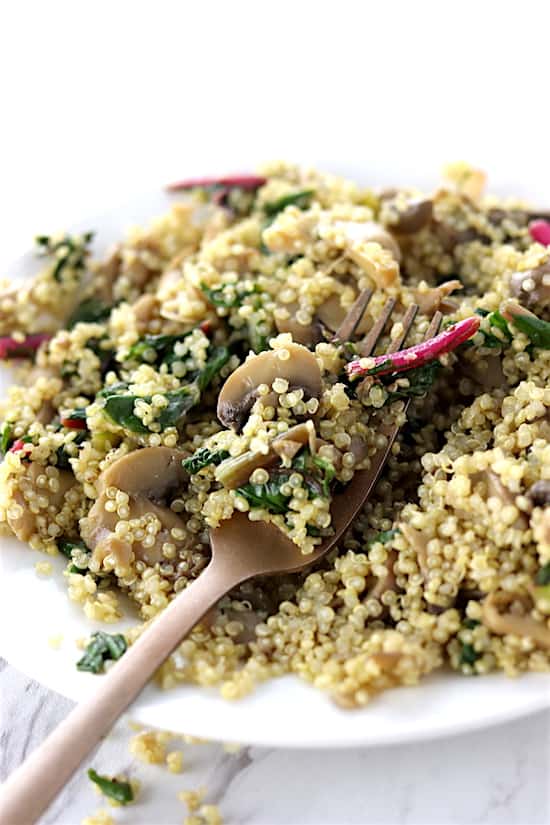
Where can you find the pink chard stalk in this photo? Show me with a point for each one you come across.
(417, 356)
(12, 348)
(247, 182)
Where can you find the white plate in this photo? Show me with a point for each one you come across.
(284, 712)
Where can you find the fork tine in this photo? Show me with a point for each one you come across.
(407, 322)
(366, 347)
(433, 329)
(353, 318)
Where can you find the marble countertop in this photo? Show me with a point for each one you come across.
(499, 775)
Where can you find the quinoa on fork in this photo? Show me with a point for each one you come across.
(196, 372)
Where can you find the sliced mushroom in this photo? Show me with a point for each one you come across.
(414, 217)
(386, 582)
(234, 472)
(533, 286)
(294, 363)
(38, 503)
(435, 298)
(150, 477)
(512, 623)
(539, 493)
(496, 489)
(307, 334)
(419, 543)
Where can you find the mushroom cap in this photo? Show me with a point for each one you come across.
(151, 472)
(533, 286)
(294, 363)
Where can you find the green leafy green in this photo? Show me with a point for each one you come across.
(90, 311)
(6, 436)
(470, 623)
(383, 537)
(259, 342)
(543, 576)
(204, 458)
(218, 357)
(301, 199)
(115, 789)
(468, 655)
(318, 472)
(101, 648)
(179, 403)
(63, 457)
(218, 298)
(120, 409)
(162, 346)
(420, 382)
(495, 319)
(70, 252)
(537, 330)
(268, 496)
(66, 547)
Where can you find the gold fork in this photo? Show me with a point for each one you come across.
(241, 549)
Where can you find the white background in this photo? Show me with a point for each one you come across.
(100, 100)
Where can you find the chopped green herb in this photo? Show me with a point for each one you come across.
(69, 252)
(204, 458)
(101, 648)
(90, 311)
(6, 436)
(468, 655)
(301, 199)
(115, 789)
(543, 576)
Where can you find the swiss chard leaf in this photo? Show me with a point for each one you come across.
(383, 537)
(161, 345)
(537, 330)
(6, 437)
(543, 575)
(318, 472)
(70, 252)
(120, 409)
(268, 496)
(204, 458)
(179, 403)
(420, 382)
(115, 789)
(101, 648)
(496, 320)
(301, 199)
(90, 311)
(468, 655)
(218, 357)
(218, 298)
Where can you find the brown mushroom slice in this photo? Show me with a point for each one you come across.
(386, 582)
(496, 489)
(152, 473)
(435, 298)
(510, 623)
(37, 501)
(416, 215)
(533, 286)
(294, 363)
(539, 493)
(149, 476)
(370, 232)
(309, 335)
(234, 472)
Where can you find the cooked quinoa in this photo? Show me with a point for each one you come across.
(195, 372)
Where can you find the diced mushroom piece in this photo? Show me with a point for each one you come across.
(372, 248)
(293, 363)
(513, 623)
(432, 299)
(533, 286)
(539, 493)
(419, 543)
(150, 477)
(386, 582)
(37, 501)
(496, 489)
(234, 472)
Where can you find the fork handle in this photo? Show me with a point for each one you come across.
(30, 789)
